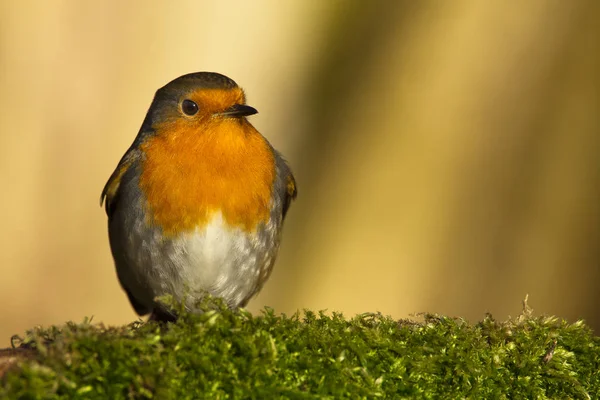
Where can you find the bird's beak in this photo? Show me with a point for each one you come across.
(239, 110)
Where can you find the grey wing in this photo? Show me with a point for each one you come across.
(285, 186)
(112, 194)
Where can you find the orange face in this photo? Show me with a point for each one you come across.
(197, 165)
(212, 101)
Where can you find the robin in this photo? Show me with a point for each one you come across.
(196, 205)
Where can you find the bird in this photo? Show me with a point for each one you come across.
(196, 204)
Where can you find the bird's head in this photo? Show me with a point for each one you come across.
(195, 99)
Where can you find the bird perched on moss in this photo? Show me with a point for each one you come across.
(196, 204)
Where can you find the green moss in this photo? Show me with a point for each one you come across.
(224, 354)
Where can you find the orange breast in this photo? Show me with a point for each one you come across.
(190, 172)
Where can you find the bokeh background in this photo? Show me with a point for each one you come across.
(446, 153)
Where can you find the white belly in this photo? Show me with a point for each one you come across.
(225, 262)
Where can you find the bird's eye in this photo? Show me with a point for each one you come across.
(189, 107)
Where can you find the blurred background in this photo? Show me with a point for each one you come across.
(446, 153)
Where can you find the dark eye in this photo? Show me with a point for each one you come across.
(189, 107)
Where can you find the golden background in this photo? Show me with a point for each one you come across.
(446, 153)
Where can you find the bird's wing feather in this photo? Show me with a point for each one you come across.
(111, 189)
(290, 193)
(286, 183)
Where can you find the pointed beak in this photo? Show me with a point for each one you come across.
(239, 110)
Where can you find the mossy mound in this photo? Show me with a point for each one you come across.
(225, 354)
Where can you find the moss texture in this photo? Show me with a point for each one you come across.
(224, 354)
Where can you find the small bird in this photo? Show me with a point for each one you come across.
(196, 205)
